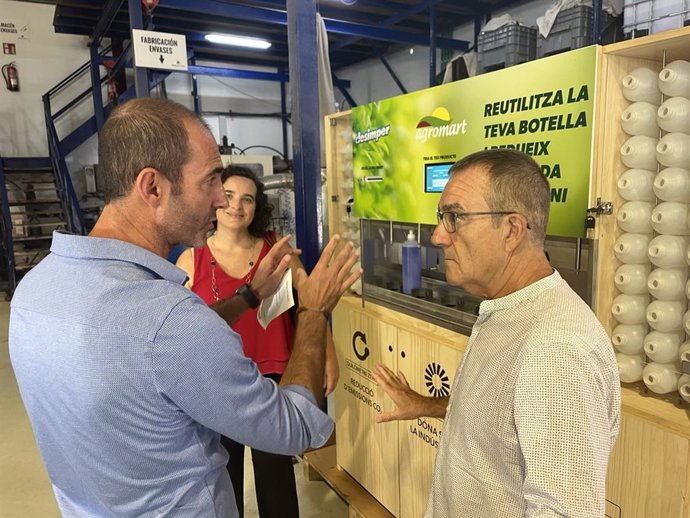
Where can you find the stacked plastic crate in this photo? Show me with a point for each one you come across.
(506, 46)
(642, 17)
(652, 308)
(572, 29)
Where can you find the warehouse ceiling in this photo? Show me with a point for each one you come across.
(357, 29)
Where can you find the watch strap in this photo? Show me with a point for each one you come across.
(249, 296)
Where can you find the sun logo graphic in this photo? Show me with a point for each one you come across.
(436, 380)
(439, 124)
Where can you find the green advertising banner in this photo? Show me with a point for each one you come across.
(403, 146)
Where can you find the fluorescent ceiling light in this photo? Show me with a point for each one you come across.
(240, 41)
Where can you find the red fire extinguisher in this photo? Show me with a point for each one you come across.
(9, 72)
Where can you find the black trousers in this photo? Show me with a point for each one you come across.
(274, 479)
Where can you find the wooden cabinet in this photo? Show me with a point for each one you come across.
(429, 366)
(365, 450)
(393, 461)
(649, 470)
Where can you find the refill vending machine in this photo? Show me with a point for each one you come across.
(403, 147)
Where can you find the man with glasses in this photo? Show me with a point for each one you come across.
(535, 407)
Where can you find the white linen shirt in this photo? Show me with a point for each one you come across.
(128, 378)
(533, 414)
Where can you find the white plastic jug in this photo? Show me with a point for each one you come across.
(674, 79)
(672, 184)
(630, 367)
(663, 347)
(630, 309)
(668, 283)
(640, 118)
(639, 152)
(673, 150)
(641, 85)
(632, 248)
(629, 339)
(668, 251)
(666, 315)
(635, 216)
(637, 185)
(661, 378)
(631, 279)
(674, 115)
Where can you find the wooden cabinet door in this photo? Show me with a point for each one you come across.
(366, 450)
(429, 367)
(648, 472)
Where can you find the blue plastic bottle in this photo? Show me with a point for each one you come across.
(411, 264)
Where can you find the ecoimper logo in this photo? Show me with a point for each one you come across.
(439, 124)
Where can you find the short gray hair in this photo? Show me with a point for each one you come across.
(516, 183)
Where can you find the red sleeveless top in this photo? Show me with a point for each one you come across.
(269, 348)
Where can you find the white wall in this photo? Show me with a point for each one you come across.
(224, 94)
(43, 60)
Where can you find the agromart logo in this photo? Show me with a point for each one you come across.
(439, 124)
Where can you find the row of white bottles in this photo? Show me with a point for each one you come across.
(643, 152)
(670, 184)
(664, 251)
(643, 118)
(652, 307)
(659, 347)
(643, 84)
(661, 378)
(662, 315)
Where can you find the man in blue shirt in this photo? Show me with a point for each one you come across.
(128, 377)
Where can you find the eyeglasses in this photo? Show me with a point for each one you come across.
(451, 218)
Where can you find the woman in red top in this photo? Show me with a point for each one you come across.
(227, 261)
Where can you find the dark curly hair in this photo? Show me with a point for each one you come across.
(259, 226)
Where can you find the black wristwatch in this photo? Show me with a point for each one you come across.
(248, 295)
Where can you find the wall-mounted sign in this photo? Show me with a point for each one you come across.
(403, 145)
(13, 28)
(159, 50)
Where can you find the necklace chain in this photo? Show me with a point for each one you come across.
(214, 285)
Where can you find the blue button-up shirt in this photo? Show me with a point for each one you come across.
(128, 378)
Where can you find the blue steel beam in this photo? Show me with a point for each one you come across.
(596, 21)
(432, 46)
(259, 14)
(402, 15)
(96, 85)
(236, 73)
(390, 70)
(141, 75)
(306, 145)
(107, 16)
(284, 121)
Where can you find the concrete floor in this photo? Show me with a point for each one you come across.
(25, 490)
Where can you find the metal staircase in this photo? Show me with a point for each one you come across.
(33, 207)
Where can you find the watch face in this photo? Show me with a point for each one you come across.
(248, 295)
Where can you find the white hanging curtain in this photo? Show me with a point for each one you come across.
(326, 96)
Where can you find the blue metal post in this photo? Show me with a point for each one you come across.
(7, 227)
(390, 70)
(596, 20)
(141, 75)
(96, 85)
(306, 147)
(432, 46)
(284, 120)
(195, 91)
